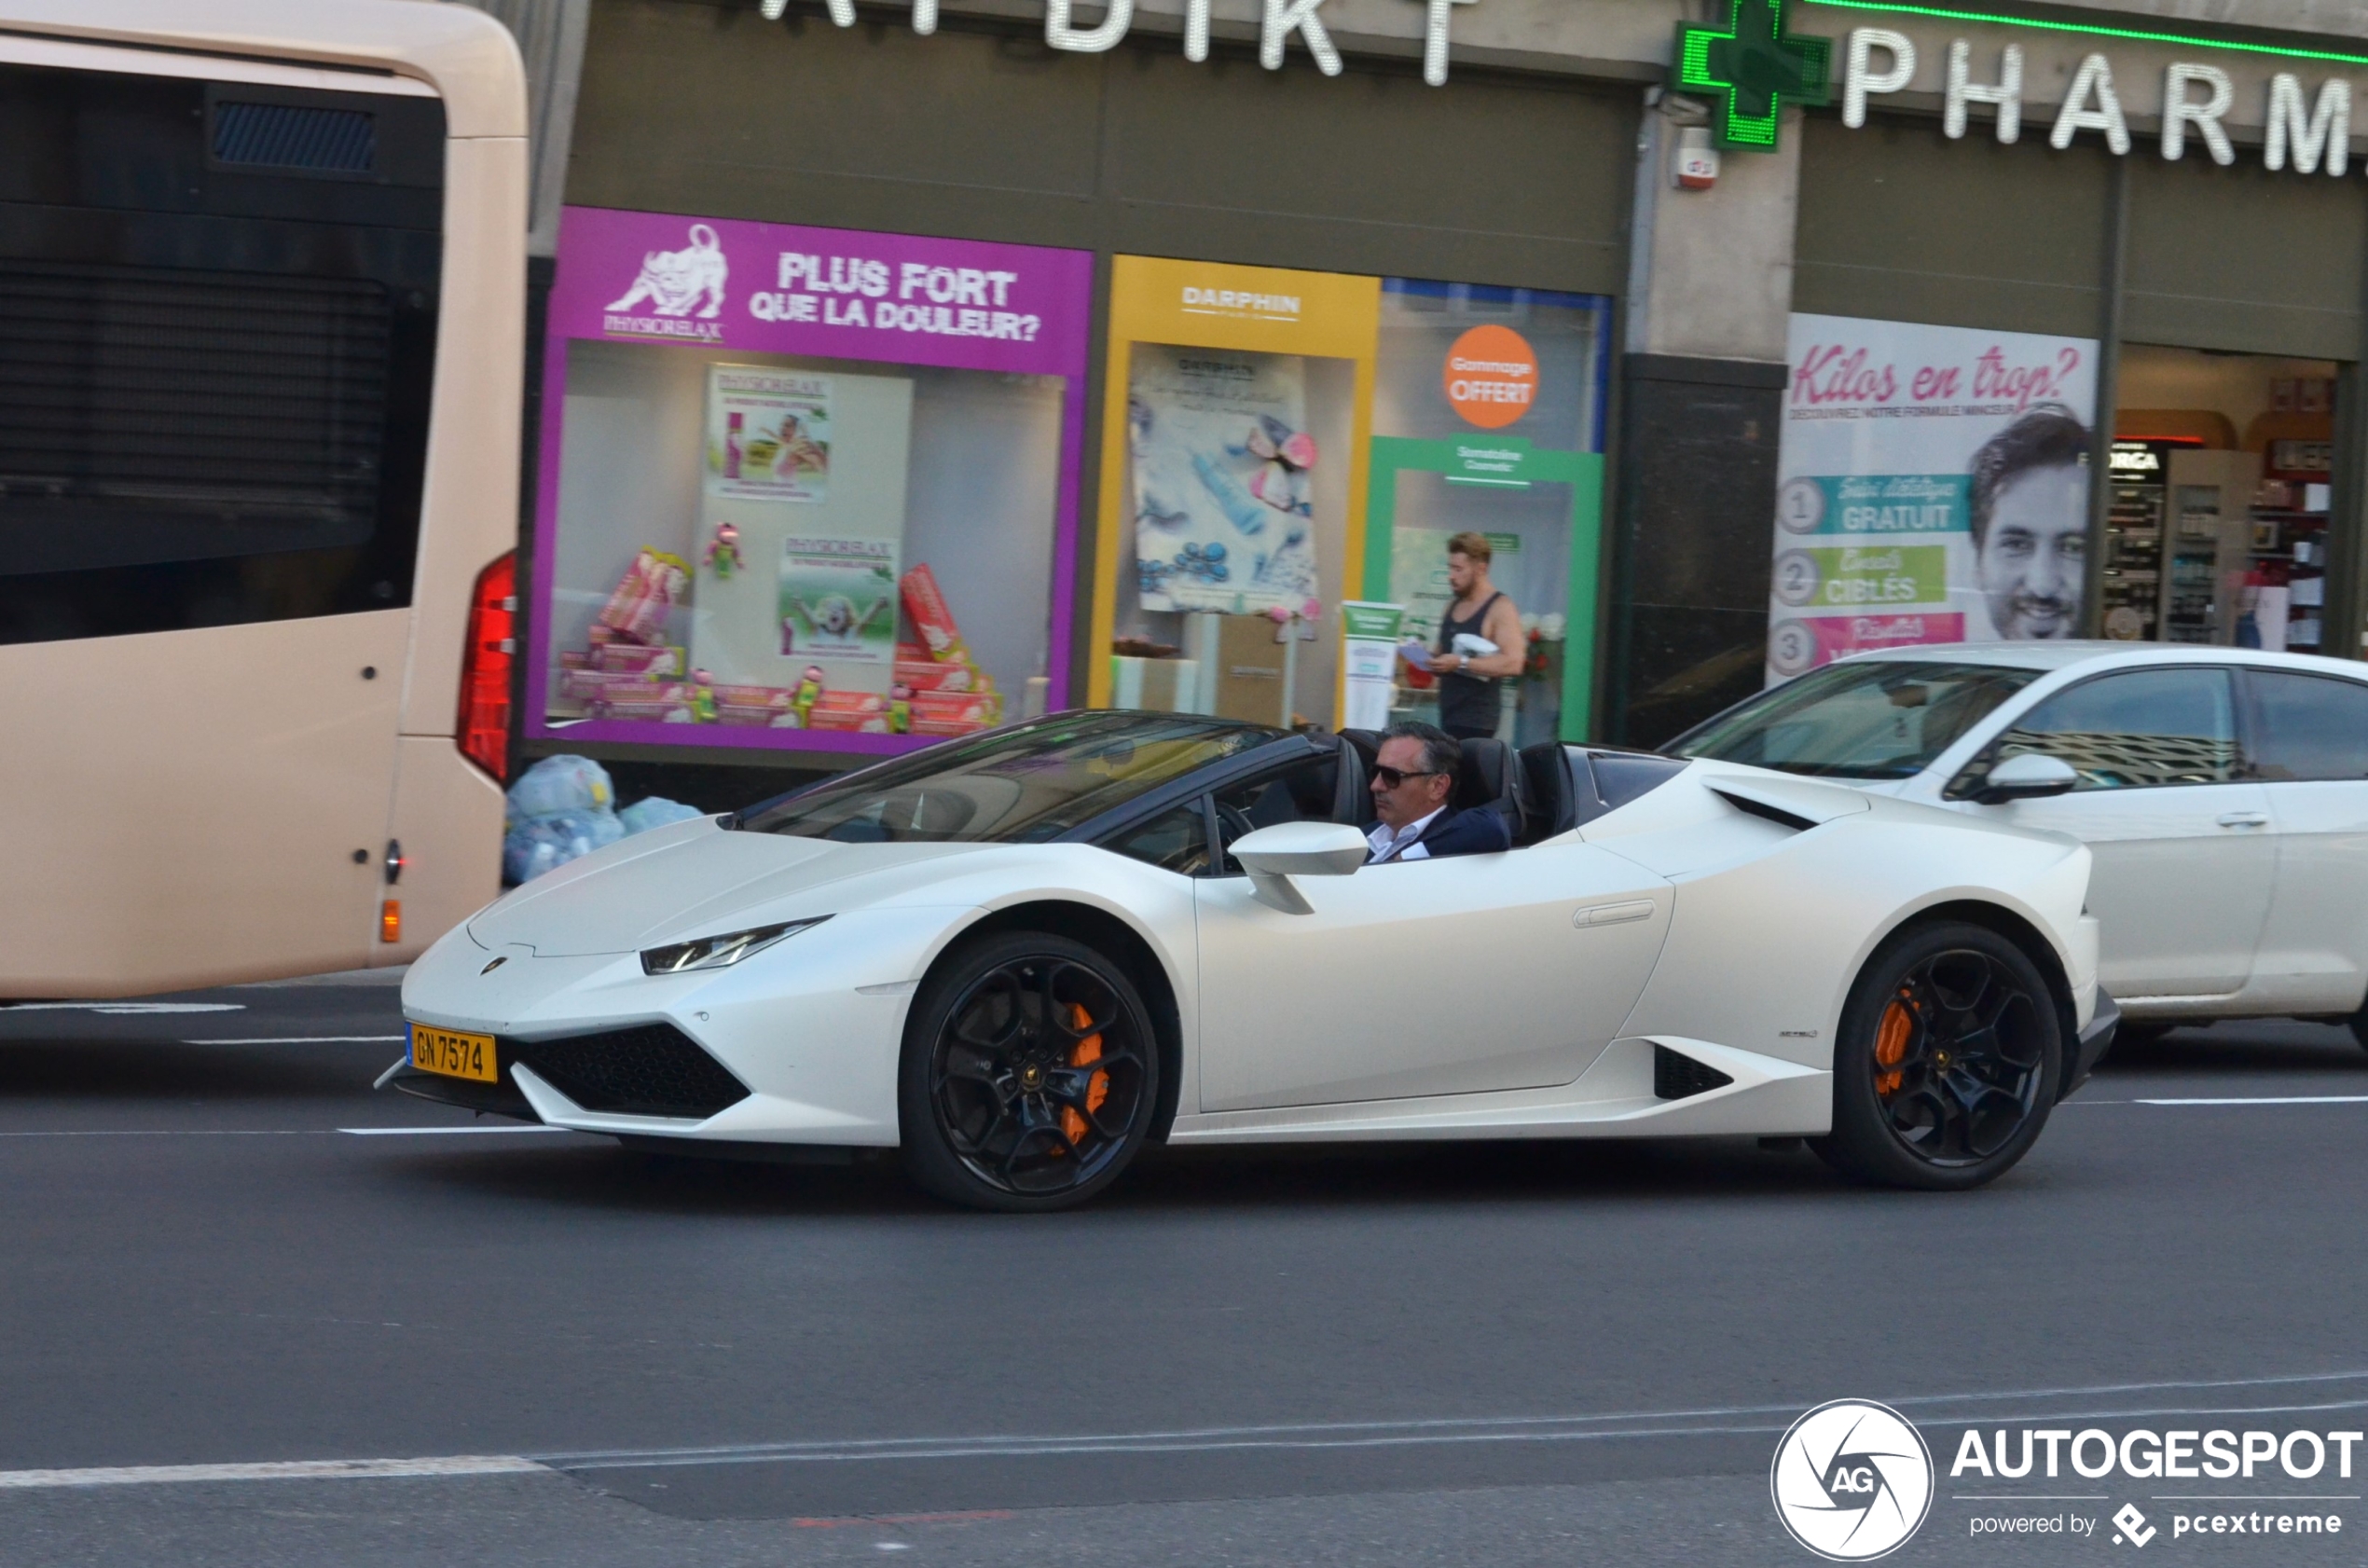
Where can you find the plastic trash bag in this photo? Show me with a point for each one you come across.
(654, 812)
(564, 783)
(539, 844)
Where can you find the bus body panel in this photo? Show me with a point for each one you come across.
(445, 815)
(190, 804)
(201, 806)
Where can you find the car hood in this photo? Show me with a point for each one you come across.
(691, 880)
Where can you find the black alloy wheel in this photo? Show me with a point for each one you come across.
(1950, 1052)
(1028, 1077)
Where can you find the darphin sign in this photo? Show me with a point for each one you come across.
(1278, 21)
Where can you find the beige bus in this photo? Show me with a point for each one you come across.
(262, 294)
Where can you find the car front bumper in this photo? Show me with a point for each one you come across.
(798, 1045)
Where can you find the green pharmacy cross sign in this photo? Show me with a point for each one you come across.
(1751, 70)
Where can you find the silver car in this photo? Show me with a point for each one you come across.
(2224, 792)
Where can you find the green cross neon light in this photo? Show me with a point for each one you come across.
(1751, 70)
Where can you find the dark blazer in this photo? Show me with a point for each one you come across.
(1478, 831)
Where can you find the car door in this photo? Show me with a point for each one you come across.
(2308, 746)
(1457, 975)
(2184, 859)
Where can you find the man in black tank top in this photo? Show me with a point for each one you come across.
(1468, 683)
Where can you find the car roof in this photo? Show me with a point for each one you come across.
(2070, 652)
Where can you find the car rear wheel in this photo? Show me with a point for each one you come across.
(1947, 1063)
(1028, 1077)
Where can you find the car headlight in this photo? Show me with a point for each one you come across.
(720, 952)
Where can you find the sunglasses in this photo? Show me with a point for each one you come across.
(1392, 777)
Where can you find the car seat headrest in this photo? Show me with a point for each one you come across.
(1552, 793)
(1487, 777)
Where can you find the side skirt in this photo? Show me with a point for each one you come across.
(1769, 1097)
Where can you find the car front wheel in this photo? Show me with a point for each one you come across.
(1947, 1062)
(1028, 1076)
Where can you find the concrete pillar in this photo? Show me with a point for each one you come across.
(1703, 379)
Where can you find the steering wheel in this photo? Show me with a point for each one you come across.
(1232, 823)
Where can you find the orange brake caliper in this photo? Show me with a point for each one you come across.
(1891, 1046)
(1097, 1088)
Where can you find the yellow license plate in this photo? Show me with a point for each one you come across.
(454, 1054)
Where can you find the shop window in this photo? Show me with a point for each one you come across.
(1265, 428)
(2221, 525)
(2307, 726)
(1488, 417)
(2148, 727)
(813, 488)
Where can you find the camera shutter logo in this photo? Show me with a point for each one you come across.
(1853, 1481)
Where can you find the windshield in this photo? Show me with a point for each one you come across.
(1872, 719)
(1026, 784)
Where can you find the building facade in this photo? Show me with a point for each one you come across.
(909, 367)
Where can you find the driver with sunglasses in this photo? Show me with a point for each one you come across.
(1414, 774)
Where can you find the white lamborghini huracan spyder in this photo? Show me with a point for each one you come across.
(1020, 955)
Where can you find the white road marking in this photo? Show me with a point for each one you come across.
(287, 1470)
(270, 1131)
(306, 1039)
(2266, 1100)
(430, 1131)
(124, 1008)
(1309, 1435)
(178, 1133)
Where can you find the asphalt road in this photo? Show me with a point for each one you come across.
(219, 1247)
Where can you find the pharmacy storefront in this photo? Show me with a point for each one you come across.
(2075, 342)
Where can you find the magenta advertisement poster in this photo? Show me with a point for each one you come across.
(716, 286)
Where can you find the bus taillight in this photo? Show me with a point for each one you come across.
(483, 731)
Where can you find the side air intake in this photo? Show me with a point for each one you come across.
(1677, 1076)
(1753, 806)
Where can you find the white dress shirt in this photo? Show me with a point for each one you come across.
(1387, 845)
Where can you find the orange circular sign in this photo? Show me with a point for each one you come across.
(1491, 376)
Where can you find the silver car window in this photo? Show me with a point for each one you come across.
(2309, 726)
(1864, 719)
(2138, 729)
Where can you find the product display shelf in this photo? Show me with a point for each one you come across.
(2132, 567)
(2291, 552)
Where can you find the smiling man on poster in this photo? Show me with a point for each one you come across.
(2030, 516)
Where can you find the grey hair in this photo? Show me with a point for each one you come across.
(1441, 753)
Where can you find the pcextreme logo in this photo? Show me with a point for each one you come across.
(1852, 1480)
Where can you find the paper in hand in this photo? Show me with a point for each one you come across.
(1414, 653)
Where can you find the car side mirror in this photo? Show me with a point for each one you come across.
(1272, 856)
(2027, 776)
